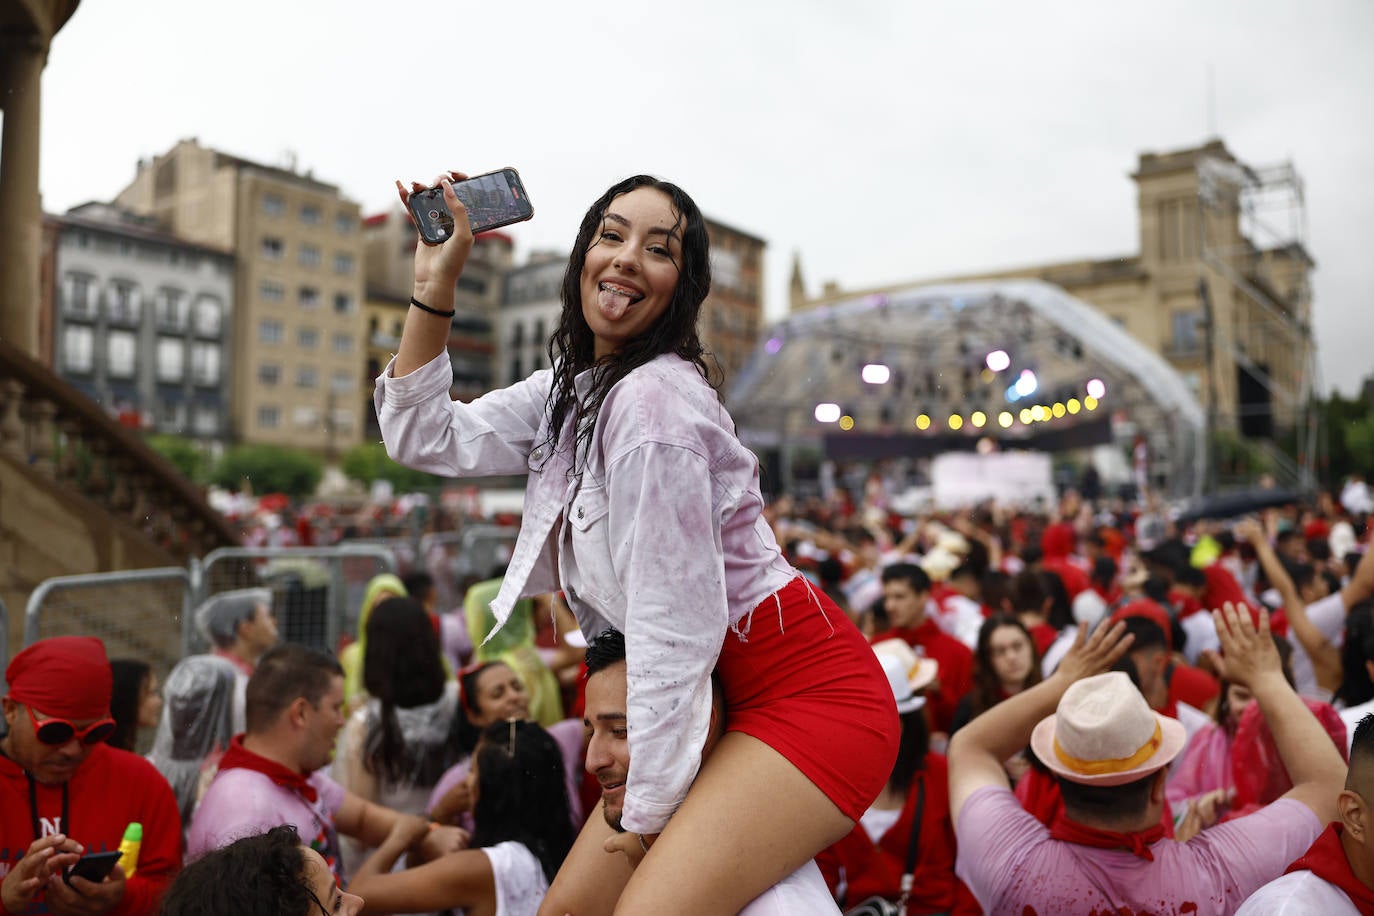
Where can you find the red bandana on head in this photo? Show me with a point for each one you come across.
(65, 676)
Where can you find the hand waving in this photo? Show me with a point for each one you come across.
(1096, 653)
(1249, 650)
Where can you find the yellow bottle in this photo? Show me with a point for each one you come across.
(129, 846)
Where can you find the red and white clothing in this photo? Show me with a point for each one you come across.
(111, 789)
(956, 667)
(1321, 883)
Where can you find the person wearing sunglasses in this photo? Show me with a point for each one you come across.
(64, 791)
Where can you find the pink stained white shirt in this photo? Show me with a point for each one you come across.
(659, 533)
(242, 802)
(1012, 865)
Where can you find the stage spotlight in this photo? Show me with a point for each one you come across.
(923, 422)
(1096, 388)
(998, 360)
(1037, 413)
(979, 419)
(1073, 405)
(956, 422)
(1058, 410)
(986, 376)
(827, 413)
(876, 374)
(1025, 416)
(1004, 419)
(846, 422)
(1090, 402)
(1026, 383)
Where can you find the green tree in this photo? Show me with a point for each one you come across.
(369, 462)
(270, 469)
(182, 452)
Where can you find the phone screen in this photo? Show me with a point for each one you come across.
(94, 867)
(492, 200)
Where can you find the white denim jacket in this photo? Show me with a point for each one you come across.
(660, 534)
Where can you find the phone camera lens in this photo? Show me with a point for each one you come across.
(433, 214)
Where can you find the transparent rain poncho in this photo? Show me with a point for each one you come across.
(196, 725)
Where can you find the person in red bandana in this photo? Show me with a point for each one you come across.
(1110, 753)
(1336, 875)
(273, 774)
(64, 792)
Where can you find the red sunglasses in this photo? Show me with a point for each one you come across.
(59, 731)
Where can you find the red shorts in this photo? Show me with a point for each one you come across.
(804, 681)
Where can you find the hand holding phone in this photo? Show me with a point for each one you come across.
(492, 200)
(95, 867)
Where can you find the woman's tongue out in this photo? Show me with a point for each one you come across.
(614, 301)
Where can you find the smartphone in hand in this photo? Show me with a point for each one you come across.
(94, 866)
(492, 200)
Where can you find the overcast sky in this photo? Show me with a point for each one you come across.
(882, 142)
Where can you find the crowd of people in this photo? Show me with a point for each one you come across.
(830, 704)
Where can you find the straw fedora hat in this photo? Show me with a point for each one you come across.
(901, 687)
(920, 672)
(1105, 734)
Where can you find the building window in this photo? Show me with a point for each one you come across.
(343, 263)
(205, 421)
(171, 309)
(342, 418)
(205, 364)
(344, 223)
(343, 344)
(343, 304)
(208, 316)
(79, 302)
(273, 205)
(474, 285)
(171, 416)
(121, 354)
(307, 377)
(272, 248)
(78, 348)
(124, 303)
(271, 291)
(309, 297)
(341, 382)
(269, 332)
(269, 417)
(1184, 325)
(309, 256)
(307, 418)
(310, 215)
(307, 338)
(516, 370)
(171, 358)
(269, 373)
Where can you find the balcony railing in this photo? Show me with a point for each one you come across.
(63, 436)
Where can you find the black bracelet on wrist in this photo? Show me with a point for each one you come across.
(424, 308)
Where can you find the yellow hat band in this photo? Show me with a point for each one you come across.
(1113, 765)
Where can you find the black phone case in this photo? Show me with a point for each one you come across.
(94, 867)
(421, 203)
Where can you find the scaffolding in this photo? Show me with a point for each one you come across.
(1268, 207)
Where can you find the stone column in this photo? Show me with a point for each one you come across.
(21, 71)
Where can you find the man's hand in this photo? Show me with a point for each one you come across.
(1094, 654)
(630, 845)
(85, 898)
(1249, 652)
(441, 841)
(45, 857)
(1203, 812)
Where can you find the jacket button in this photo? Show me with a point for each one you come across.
(537, 454)
(581, 512)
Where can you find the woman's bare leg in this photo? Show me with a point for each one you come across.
(590, 880)
(750, 820)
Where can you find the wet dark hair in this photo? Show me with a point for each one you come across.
(284, 674)
(572, 347)
(911, 750)
(465, 731)
(605, 650)
(522, 792)
(264, 873)
(128, 677)
(1095, 804)
(914, 576)
(1356, 686)
(403, 668)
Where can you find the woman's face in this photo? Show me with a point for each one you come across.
(501, 695)
(1010, 653)
(631, 268)
(321, 882)
(149, 702)
(1237, 699)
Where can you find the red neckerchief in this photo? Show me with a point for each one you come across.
(235, 661)
(239, 757)
(1326, 859)
(1137, 842)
